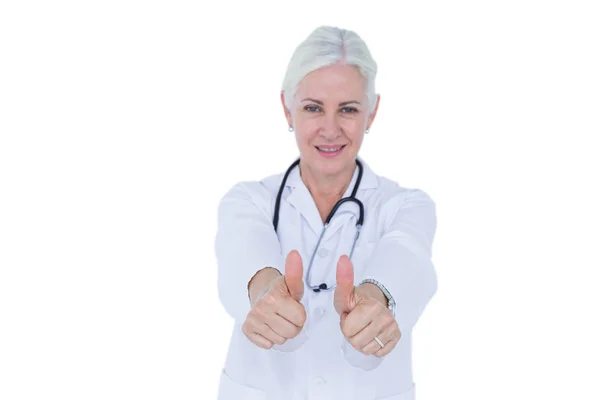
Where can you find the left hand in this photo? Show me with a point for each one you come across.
(363, 313)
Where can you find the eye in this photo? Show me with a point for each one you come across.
(312, 108)
(349, 110)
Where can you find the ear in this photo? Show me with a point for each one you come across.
(374, 113)
(286, 111)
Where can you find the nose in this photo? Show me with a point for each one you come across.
(330, 128)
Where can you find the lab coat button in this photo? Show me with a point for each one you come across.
(317, 314)
(323, 252)
(319, 381)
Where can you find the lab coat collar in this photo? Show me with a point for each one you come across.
(301, 199)
(369, 179)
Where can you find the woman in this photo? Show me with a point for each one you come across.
(324, 313)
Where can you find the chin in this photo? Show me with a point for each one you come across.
(333, 166)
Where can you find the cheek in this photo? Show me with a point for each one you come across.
(354, 130)
(307, 124)
(304, 136)
(352, 123)
(306, 130)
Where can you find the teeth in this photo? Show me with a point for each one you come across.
(329, 150)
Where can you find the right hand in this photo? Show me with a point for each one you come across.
(277, 314)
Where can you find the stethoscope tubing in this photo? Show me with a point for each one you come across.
(330, 216)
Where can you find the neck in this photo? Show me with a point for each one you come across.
(331, 187)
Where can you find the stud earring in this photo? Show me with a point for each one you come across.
(291, 129)
(367, 131)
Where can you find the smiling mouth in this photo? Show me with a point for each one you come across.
(330, 149)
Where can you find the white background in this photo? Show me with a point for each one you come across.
(122, 123)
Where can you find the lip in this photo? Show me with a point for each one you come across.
(330, 154)
(330, 146)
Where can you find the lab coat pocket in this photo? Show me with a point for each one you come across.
(232, 390)
(407, 395)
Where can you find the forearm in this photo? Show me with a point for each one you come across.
(245, 244)
(411, 280)
(401, 262)
(402, 259)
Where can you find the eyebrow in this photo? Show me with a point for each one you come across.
(343, 103)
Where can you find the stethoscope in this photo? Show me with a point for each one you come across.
(359, 222)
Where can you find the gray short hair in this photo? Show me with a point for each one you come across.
(325, 46)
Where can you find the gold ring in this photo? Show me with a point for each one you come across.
(378, 341)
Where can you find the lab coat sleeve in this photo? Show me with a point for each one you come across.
(402, 258)
(245, 243)
(401, 261)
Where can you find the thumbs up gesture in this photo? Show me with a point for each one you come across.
(277, 314)
(363, 312)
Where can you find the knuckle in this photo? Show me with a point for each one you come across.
(270, 298)
(263, 329)
(389, 318)
(302, 315)
(263, 344)
(249, 323)
(245, 328)
(360, 346)
(267, 346)
(383, 351)
(299, 320)
(281, 340)
(258, 312)
(375, 306)
(295, 332)
(390, 341)
(368, 350)
(288, 333)
(254, 339)
(345, 330)
(292, 331)
(385, 321)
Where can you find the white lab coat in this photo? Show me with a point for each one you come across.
(394, 248)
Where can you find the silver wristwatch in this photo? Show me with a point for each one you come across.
(386, 293)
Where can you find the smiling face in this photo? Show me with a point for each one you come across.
(330, 114)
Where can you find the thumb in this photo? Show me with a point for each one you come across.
(293, 275)
(344, 291)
